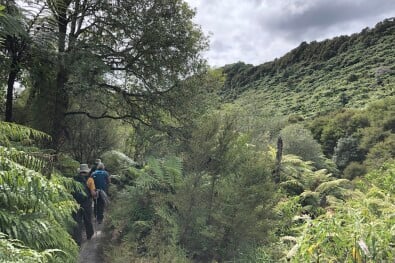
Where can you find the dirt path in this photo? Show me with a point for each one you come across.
(89, 251)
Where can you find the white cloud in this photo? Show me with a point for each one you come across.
(256, 31)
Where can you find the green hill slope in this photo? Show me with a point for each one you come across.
(319, 77)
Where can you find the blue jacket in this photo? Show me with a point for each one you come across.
(101, 178)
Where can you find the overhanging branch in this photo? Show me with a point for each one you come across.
(107, 116)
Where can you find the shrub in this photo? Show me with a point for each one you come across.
(352, 77)
(66, 165)
(295, 118)
(380, 153)
(299, 141)
(353, 170)
(117, 162)
(346, 151)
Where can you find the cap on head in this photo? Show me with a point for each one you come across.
(97, 161)
(84, 168)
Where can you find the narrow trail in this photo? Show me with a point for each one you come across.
(90, 249)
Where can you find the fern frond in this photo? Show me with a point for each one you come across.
(22, 158)
(376, 192)
(337, 188)
(12, 25)
(147, 182)
(13, 250)
(165, 215)
(310, 198)
(172, 169)
(35, 208)
(14, 132)
(154, 168)
(294, 167)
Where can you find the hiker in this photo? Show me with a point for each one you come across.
(94, 166)
(83, 216)
(102, 180)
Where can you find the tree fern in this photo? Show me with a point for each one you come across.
(35, 208)
(11, 132)
(14, 251)
(162, 175)
(358, 225)
(146, 212)
(293, 167)
(145, 181)
(11, 25)
(337, 188)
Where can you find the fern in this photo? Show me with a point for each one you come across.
(147, 182)
(14, 132)
(173, 170)
(146, 212)
(337, 188)
(35, 209)
(11, 25)
(164, 175)
(14, 251)
(362, 216)
(293, 187)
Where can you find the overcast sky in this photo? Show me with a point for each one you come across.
(256, 31)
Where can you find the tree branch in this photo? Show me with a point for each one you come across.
(122, 91)
(106, 116)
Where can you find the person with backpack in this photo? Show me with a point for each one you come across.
(102, 179)
(83, 216)
(94, 166)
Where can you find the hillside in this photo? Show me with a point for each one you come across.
(318, 77)
(120, 86)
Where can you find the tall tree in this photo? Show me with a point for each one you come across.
(13, 46)
(18, 34)
(133, 54)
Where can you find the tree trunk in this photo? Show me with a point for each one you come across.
(279, 156)
(61, 105)
(61, 96)
(211, 201)
(10, 90)
(186, 229)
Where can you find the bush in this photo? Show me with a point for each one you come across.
(353, 170)
(117, 162)
(346, 151)
(299, 141)
(295, 118)
(66, 165)
(352, 77)
(380, 153)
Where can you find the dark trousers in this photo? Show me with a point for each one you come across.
(99, 209)
(83, 217)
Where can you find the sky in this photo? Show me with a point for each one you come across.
(257, 31)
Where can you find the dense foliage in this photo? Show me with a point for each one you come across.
(91, 55)
(36, 204)
(318, 77)
(217, 212)
(220, 202)
(289, 161)
(357, 229)
(364, 136)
